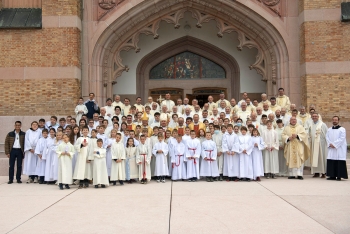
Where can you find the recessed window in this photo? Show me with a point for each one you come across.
(14, 18)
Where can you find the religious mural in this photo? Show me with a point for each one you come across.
(187, 65)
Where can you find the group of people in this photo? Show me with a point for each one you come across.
(224, 140)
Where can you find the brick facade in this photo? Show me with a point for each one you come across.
(331, 94)
(38, 97)
(61, 7)
(322, 41)
(48, 47)
(318, 4)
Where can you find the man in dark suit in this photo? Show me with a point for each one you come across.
(14, 149)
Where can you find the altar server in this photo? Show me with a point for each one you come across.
(30, 158)
(65, 152)
(209, 167)
(160, 150)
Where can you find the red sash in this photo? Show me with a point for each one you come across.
(210, 159)
(129, 127)
(194, 152)
(179, 156)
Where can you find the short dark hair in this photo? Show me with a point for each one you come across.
(336, 116)
(117, 107)
(99, 140)
(264, 116)
(281, 89)
(18, 122)
(92, 94)
(108, 99)
(272, 98)
(41, 120)
(279, 121)
(54, 117)
(45, 130)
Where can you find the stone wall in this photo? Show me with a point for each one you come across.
(40, 69)
(325, 58)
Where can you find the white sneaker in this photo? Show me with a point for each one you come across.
(158, 181)
(35, 180)
(29, 181)
(163, 181)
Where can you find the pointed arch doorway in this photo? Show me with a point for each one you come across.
(228, 77)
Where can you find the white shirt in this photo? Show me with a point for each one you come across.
(16, 144)
(168, 103)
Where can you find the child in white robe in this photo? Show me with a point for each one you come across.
(177, 154)
(52, 168)
(171, 142)
(118, 159)
(39, 151)
(209, 167)
(230, 149)
(270, 153)
(283, 169)
(153, 141)
(217, 138)
(47, 156)
(193, 152)
(143, 160)
(100, 169)
(259, 146)
(65, 152)
(131, 168)
(30, 158)
(82, 147)
(73, 136)
(245, 157)
(107, 144)
(160, 151)
(80, 109)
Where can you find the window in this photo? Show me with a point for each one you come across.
(187, 65)
(14, 18)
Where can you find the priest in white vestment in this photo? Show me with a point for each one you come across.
(318, 146)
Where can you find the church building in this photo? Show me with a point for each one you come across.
(55, 51)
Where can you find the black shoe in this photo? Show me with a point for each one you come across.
(291, 177)
(67, 186)
(248, 180)
(10, 182)
(331, 178)
(300, 178)
(142, 181)
(19, 182)
(41, 182)
(86, 185)
(121, 182)
(338, 179)
(96, 186)
(60, 186)
(114, 183)
(103, 186)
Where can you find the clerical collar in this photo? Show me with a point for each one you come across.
(315, 122)
(336, 127)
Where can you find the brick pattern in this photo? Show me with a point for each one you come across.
(39, 97)
(49, 47)
(331, 94)
(322, 41)
(61, 7)
(318, 4)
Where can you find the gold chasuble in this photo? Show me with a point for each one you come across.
(296, 151)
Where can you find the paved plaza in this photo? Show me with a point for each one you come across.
(313, 205)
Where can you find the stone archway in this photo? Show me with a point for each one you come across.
(122, 34)
(193, 45)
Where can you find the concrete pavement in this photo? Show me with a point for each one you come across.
(272, 206)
